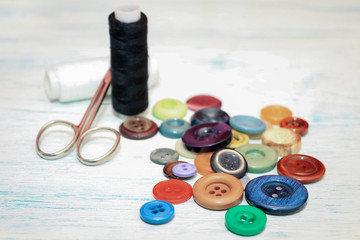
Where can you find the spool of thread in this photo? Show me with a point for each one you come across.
(78, 80)
(129, 60)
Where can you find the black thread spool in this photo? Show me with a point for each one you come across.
(129, 60)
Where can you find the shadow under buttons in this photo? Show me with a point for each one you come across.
(245, 220)
(274, 114)
(138, 128)
(206, 115)
(173, 128)
(157, 212)
(218, 191)
(260, 158)
(163, 155)
(174, 191)
(296, 124)
(304, 168)
(275, 194)
(229, 161)
(207, 137)
(169, 108)
(202, 101)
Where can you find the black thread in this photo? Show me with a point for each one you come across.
(129, 65)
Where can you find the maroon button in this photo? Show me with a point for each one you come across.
(202, 101)
(138, 128)
(207, 137)
(296, 124)
(304, 168)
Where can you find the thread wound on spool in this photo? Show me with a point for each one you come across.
(129, 65)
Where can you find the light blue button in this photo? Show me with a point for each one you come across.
(174, 128)
(157, 212)
(247, 124)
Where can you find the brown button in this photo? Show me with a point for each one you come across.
(218, 191)
(138, 127)
(202, 162)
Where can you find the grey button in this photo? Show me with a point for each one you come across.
(163, 156)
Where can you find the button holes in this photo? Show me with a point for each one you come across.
(216, 188)
(212, 192)
(161, 210)
(152, 208)
(236, 138)
(243, 218)
(185, 169)
(159, 206)
(274, 195)
(155, 212)
(223, 191)
(218, 195)
(304, 167)
(298, 164)
(278, 188)
(251, 220)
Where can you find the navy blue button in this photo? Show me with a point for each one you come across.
(157, 212)
(173, 128)
(277, 195)
(206, 115)
(247, 124)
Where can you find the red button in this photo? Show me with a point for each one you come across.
(296, 124)
(174, 191)
(203, 101)
(304, 168)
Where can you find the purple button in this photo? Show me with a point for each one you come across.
(184, 170)
(207, 137)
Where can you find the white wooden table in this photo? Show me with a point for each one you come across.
(300, 54)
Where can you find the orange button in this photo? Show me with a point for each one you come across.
(202, 162)
(218, 191)
(275, 113)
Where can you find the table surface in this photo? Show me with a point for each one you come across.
(300, 54)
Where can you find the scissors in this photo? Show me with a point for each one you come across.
(82, 130)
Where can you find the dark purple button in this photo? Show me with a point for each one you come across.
(209, 115)
(207, 137)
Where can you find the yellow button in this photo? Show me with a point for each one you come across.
(238, 139)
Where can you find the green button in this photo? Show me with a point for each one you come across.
(169, 108)
(260, 158)
(245, 220)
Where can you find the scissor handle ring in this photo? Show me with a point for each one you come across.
(61, 153)
(103, 158)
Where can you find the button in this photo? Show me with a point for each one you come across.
(209, 115)
(274, 114)
(207, 137)
(167, 170)
(163, 155)
(259, 135)
(157, 212)
(275, 194)
(247, 124)
(282, 140)
(260, 158)
(304, 168)
(218, 191)
(245, 220)
(173, 128)
(184, 170)
(229, 161)
(202, 163)
(182, 151)
(238, 139)
(138, 128)
(296, 124)
(169, 108)
(203, 101)
(174, 191)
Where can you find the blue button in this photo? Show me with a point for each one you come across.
(174, 128)
(277, 195)
(247, 124)
(157, 212)
(206, 115)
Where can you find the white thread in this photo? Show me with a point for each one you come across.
(79, 80)
(128, 13)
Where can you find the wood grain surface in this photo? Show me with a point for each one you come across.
(250, 54)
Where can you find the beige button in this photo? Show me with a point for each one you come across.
(218, 191)
(283, 140)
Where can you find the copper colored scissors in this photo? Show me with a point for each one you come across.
(82, 130)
